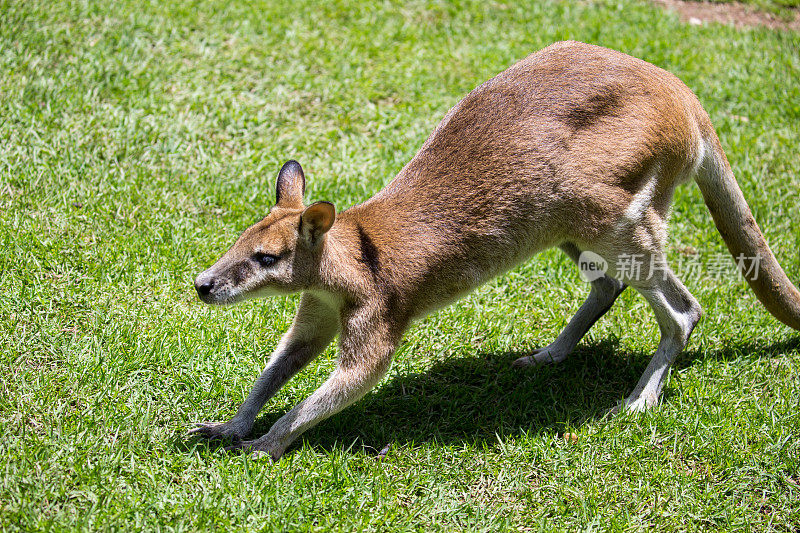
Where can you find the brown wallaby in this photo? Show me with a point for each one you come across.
(575, 146)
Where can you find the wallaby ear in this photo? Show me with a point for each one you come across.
(316, 220)
(291, 185)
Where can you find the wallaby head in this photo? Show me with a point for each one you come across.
(280, 254)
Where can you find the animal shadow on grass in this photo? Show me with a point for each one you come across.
(476, 398)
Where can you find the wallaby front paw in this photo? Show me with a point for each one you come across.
(550, 354)
(542, 356)
(257, 449)
(218, 430)
(522, 362)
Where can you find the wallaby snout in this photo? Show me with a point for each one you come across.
(204, 287)
(224, 282)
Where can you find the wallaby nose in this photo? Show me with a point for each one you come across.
(204, 288)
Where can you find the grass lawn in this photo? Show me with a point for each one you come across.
(137, 139)
(780, 7)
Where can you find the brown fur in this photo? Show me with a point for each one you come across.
(575, 146)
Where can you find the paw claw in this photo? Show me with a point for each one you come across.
(255, 449)
(522, 362)
(199, 427)
(241, 446)
(215, 430)
(540, 356)
(258, 455)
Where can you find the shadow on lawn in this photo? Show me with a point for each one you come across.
(474, 399)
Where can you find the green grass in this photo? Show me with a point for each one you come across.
(137, 139)
(783, 8)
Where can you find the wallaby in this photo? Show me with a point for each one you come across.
(576, 146)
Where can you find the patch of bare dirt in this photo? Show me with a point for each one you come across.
(740, 15)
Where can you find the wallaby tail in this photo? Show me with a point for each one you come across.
(738, 228)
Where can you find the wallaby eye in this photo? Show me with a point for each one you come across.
(265, 260)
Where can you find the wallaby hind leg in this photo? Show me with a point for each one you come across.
(677, 312)
(604, 292)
